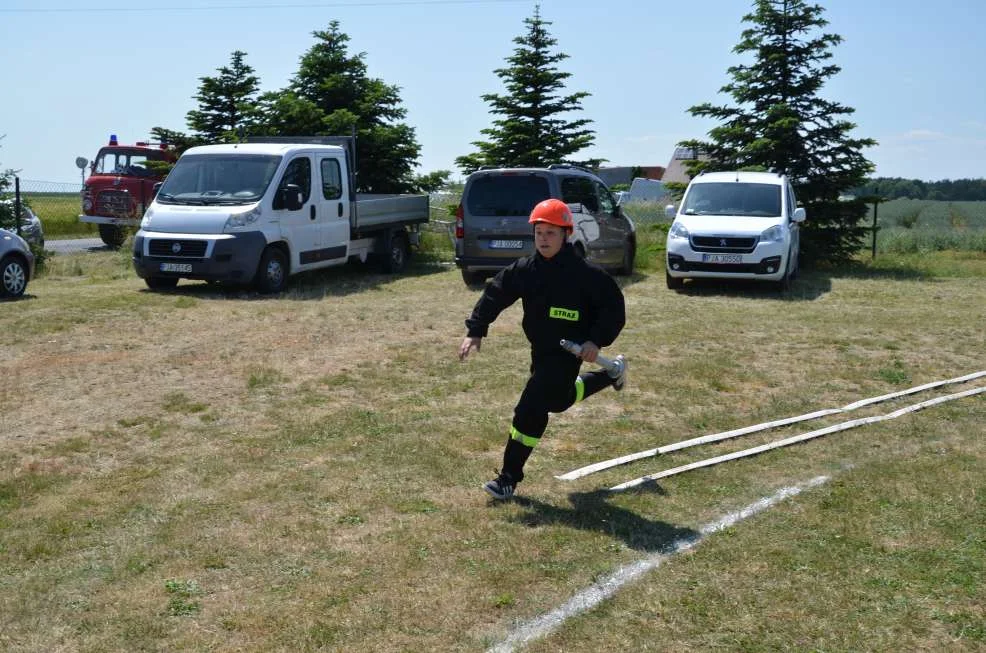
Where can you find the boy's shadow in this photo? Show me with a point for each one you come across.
(590, 511)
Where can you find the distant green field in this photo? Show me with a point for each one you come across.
(911, 226)
(59, 213)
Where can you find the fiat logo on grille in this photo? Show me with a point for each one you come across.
(176, 248)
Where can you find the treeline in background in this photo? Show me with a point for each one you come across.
(891, 188)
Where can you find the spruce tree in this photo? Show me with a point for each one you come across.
(780, 123)
(227, 102)
(531, 130)
(332, 95)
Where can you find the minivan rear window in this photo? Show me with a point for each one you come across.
(499, 195)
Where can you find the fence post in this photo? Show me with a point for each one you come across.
(875, 201)
(17, 204)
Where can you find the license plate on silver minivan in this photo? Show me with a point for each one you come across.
(506, 244)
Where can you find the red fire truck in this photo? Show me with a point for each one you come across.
(121, 186)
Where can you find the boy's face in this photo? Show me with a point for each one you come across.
(548, 239)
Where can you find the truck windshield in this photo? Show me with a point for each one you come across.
(125, 163)
(733, 198)
(218, 179)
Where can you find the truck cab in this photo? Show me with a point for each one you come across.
(120, 186)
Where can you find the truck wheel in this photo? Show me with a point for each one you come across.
(161, 283)
(674, 283)
(112, 235)
(397, 253)
(272, 273)
(13, 277)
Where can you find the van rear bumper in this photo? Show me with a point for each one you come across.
(227, 258)
(484, 262)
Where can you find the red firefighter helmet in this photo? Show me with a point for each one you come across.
(553, 212)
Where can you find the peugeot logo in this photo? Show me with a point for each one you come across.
(175, 248)
(722, 242)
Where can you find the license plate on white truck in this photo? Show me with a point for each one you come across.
(176, 267)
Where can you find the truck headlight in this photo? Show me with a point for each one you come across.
(773, 235)
(145, 222)
(240, 220)
(678, 231)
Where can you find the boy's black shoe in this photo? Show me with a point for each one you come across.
(502, 487)
(620, 378)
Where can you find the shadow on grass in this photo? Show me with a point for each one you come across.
(809, 285)
(591, 511)
(338, 281)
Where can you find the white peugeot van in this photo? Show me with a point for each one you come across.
(735, 225)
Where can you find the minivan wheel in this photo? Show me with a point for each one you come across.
(674, 283)
(784, 284)
(473, 278)
(13, 277)
(272, 273)
(629, 256)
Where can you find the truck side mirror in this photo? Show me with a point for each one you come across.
(289, 197)
(155, 189)
(669, 211)
(799, 215)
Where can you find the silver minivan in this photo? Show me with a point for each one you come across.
(491, 228)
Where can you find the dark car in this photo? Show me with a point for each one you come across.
(491, 228)
(16, 264)
(31, 228)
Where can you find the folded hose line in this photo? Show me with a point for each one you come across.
(725, 435)
(708, 462)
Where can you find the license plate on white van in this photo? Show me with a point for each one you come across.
(506, 244)
(722, 258)
(176, 267)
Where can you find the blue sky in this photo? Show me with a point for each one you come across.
(913, 70)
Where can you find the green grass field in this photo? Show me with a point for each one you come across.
(59, 213)
(210, 469)
(913, 226)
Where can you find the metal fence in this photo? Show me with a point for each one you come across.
(57, 204)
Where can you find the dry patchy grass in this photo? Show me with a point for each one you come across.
(207, 469)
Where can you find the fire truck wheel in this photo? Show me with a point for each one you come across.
(112, 235)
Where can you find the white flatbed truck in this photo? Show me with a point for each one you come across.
(259, 212)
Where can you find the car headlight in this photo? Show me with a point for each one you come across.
(773, 235)
(678, 231)
(240, 220)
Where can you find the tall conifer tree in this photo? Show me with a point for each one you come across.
(227, 103)
(531, 130)
(332, 95)
(781, 123)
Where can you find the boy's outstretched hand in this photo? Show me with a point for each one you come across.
(469, 344)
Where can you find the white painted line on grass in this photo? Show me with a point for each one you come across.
(715, 437)
(776, 444)
(598, 592)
